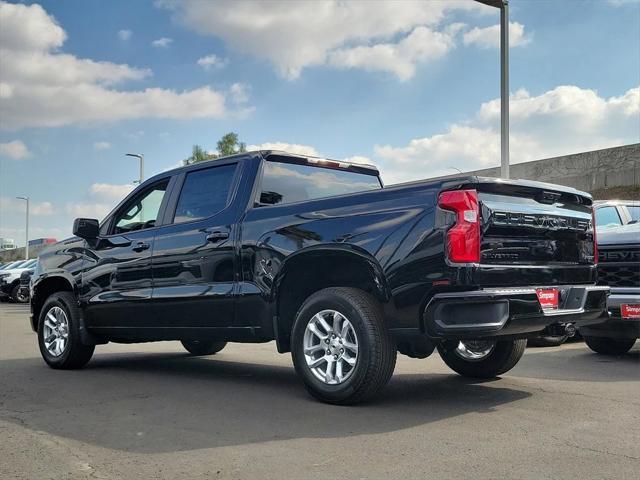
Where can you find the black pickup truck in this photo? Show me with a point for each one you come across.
(619, 268)
(320, 257)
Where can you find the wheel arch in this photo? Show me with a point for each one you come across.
(315, 268)
(46, 287)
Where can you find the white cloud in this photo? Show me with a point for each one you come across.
(102, 198)
(400, 58)
(294, 148)
(42, 87)
(15, 149)
(110, 192)
(88, 210)
(41, 208)
(565, 120)
(102, 145)
(313, 30)
(489, 37)
(13, 205)
(163, 42)
(239, 93)
(212, 61)
(124, 34)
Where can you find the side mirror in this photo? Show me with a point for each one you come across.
(86, 228)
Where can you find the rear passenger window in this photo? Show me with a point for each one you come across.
(204, 193)
(289, 182)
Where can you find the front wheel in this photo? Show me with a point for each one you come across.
(482, 358)
(17, 295)
(340, 346)
(609, 346)
(202, 347)
(59, 333)
(20, 296)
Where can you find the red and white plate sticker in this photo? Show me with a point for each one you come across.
(548, 297)
(630, 311)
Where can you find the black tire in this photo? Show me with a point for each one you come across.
(547, 341)
(376, 356)
(504, 356)
(15, 295)
(609, 346)
(75, 354)
(202, 347)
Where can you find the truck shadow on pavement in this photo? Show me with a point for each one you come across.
(156, 403)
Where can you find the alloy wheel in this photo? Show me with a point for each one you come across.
(56, 331)
(475, 350)
(330, 347)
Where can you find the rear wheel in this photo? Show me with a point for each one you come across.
(547, 341)
(609, 346)
(340, 346)
(59, 333)
(482, 358)
(203, 347)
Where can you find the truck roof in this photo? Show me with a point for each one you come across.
(291, 158)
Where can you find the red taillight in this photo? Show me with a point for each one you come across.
(595, 241)
(463, 239)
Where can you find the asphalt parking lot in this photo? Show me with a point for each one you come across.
(152, 411)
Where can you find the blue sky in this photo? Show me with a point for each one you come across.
(409, 86)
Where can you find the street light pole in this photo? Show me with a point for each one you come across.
(141, 158)
(503, 5)
(504, 89)
(26, 245)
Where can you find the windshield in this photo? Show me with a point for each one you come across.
(14, 265)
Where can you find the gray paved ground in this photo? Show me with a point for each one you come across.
(151, 411)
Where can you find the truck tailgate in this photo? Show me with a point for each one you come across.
(533, 233)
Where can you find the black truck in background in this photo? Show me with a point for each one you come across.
(619, 268)
(320, 257)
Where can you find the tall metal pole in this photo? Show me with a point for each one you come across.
(504, 89)
(26, 235)
(139, 156)
(503, 5)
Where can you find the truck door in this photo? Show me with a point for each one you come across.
(194, 260)
(116, 280)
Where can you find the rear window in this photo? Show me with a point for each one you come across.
(204, 193)
(634, 213)
(289, 182)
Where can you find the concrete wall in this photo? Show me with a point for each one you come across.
(588, 171)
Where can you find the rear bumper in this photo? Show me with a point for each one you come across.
(512, 313)
(615, 326)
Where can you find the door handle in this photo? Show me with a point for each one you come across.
(217, 236)
(140, 246)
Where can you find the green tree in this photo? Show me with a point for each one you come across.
(198, 154)
(227, 145)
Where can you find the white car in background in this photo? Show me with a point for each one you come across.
(10, 279)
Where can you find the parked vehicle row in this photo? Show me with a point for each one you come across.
(10, 275)
(320, 257)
